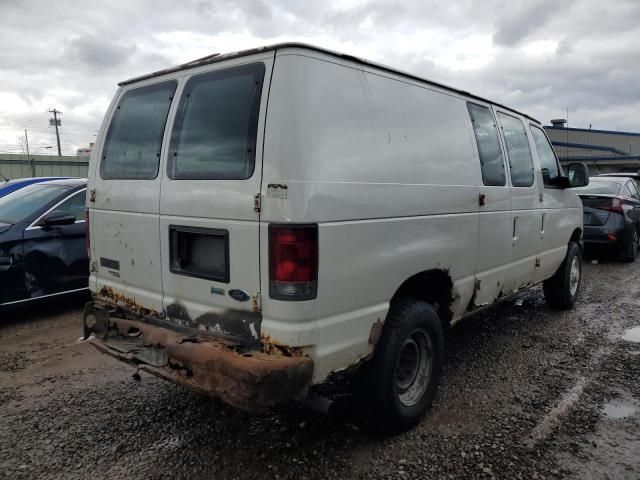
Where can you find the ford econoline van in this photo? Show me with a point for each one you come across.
(267, 221)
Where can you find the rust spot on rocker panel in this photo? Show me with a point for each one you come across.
(272, 347)
(110, 294)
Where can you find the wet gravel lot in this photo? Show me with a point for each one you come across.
(527, 393)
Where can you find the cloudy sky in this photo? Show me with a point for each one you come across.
(540, 56)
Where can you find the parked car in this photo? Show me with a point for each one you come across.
(612, 214)
(8, 186)
(635, 176)
(42, 241)
(265, 221)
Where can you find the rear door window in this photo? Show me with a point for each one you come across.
(488, 140)
(214, 135)
(134, 139)
(518, 150)
(548, 160)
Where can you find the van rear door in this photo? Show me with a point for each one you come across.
(209, 231)
(124, 194)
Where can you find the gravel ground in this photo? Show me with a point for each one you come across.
(527, 393)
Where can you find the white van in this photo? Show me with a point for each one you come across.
(266, 221)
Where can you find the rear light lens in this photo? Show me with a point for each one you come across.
(615, 205)
(293, 262)
(87, 239)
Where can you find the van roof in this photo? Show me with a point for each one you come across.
(217, 57)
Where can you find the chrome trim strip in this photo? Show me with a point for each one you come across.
(44, 296)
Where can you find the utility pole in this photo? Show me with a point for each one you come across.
(55, 121)
(31, 160)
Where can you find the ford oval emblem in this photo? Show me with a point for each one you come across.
(239, 295)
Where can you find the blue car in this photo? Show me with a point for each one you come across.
(13, 185)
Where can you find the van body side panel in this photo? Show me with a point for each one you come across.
(526, 214)
(392, 185)
(494, 229)
(124, 215)
(562, 215)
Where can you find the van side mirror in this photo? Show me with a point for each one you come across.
(578, 174)
(57, 218)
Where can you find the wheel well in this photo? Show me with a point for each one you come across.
(576, 236)
(431, 286)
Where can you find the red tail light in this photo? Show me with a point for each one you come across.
(293, 262)
(614, 206)
(87, 238)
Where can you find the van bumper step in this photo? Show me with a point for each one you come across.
(244, 378)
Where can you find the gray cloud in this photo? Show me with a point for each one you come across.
(582, 53)
(518, 20)
(96, 53)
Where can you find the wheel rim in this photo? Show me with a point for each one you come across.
(413, 367)
(574, 276)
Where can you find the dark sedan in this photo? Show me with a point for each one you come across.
(612, 214)
(42, 241)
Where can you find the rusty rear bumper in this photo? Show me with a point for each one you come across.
(245, 378)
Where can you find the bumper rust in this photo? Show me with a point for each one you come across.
(245, 378)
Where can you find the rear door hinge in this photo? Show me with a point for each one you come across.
(92, 195)
(94, 266)
(257, 203)
(257, 302)
(537, 262)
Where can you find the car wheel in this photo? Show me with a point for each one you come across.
(630, 249)
(561, 290)
(401, 380)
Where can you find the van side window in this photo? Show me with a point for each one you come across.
(214, 136)
(548, 160)
(518, 150)
(486, 132)
(134, 139)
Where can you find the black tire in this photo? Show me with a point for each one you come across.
(629, 251)
(560, 291)
(393, 402)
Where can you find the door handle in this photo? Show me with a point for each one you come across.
(481, 199)
(515, 224)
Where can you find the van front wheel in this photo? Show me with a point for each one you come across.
(562, 289)
(402, 378)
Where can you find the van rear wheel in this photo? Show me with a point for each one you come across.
(401, 380)
(561, 290)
